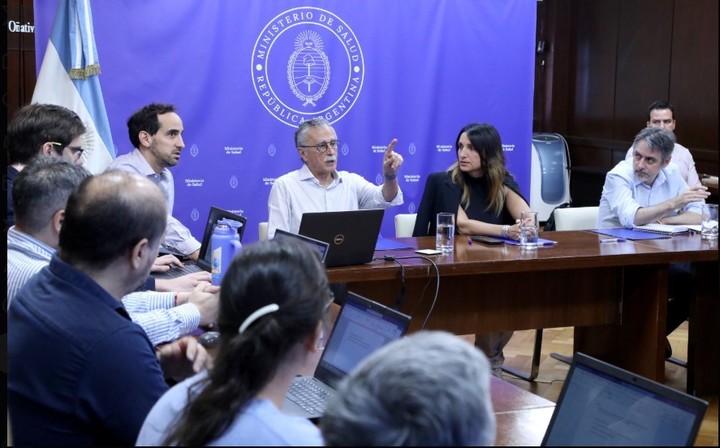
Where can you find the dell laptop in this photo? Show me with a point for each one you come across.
(362, 326)
(351, 234)
(204, 260)
(603, 405)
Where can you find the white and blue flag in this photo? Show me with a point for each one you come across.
(69, 77)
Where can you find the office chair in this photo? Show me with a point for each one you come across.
(569, 218)
(404, 224)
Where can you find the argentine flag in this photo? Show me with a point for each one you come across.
(69, 77)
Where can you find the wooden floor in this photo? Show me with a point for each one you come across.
(550, 380)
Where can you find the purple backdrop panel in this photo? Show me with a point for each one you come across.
(244, 74)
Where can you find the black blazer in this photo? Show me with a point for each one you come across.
(443, 195)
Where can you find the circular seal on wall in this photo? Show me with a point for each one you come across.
(307, 63)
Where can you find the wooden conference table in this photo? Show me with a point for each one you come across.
(613, 294)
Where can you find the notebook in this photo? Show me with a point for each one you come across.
(352, 234)
(662, 229)
(204, 260)
(320, 247)
(362, 326)
(603, 405)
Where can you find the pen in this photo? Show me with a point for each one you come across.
(612, 240)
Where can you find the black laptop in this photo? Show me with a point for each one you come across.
(351, 234)
(204, 260)
(603, 405)
(362, 326)
(320, 247)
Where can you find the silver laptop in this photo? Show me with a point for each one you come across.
(351, 234)
(320, 247)
(362, 326)
(204, 260)
(603, 405)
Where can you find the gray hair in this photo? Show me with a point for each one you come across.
(431, 388)
(657, 140)
(304, 128)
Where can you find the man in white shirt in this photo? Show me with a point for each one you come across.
(319, 187)
(662, 115)
(156, 133)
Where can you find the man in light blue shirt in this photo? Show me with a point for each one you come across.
(319, 187)
(649, 189)
(156, 133)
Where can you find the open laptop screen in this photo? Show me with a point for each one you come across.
(603, 405)
(362, 327)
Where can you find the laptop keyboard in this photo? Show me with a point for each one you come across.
(178, 272)
(306, 393)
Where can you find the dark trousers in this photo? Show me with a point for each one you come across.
(682, 291)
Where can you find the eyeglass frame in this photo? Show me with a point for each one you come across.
(334, 143)
(77, 151)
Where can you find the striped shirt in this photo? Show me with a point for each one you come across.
(155, 312)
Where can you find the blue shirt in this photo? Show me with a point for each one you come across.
(154, 311)
(260, 424)
(624, 193)
(177, 236)
(80, 372)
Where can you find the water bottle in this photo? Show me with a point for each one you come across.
(224, 245)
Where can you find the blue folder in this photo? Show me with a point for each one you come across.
(630, 234)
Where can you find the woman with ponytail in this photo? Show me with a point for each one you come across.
(272, 304)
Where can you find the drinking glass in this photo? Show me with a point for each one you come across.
(445, 233)
(709, 224)
(529, 230)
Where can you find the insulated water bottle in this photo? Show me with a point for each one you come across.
(225, 244)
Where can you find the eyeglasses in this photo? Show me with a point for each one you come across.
(75, 150)
(323, 146)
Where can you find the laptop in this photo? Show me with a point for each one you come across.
(204, 260)
(362, 326)
(320, 247)
(601, 404)
(352, 234)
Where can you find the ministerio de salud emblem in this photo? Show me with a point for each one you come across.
(307, 63)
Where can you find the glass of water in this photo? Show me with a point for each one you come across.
(529, 230)
(445, 233)
(709, 224)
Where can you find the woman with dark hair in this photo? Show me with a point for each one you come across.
(272, 304)
(486, 200)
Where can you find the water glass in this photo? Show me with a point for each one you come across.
(445, 233)
(709, 224)
(529, 227)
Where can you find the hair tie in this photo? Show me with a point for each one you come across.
(267, 309)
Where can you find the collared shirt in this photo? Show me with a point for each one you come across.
(299, 192)
(177, 236)
(260, 423)
(624, 193)
(681, 157)
(154, 311)
(80, 372)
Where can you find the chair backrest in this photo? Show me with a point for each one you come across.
(263, 231)
(404, 224)
(576, 218)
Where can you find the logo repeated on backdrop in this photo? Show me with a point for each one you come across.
(234, 182)
(307, 63)
(194, 151)
(271, 150)
(194, 214)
